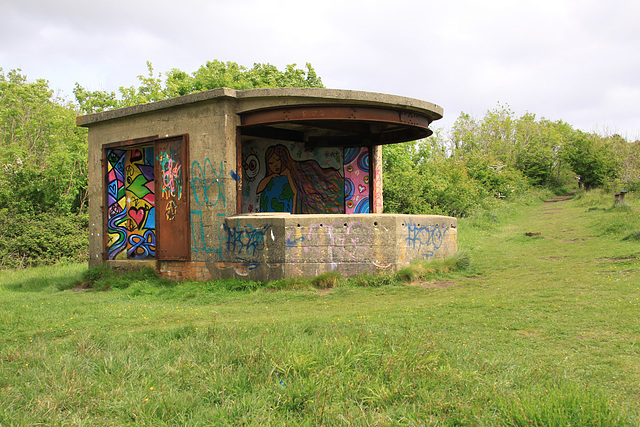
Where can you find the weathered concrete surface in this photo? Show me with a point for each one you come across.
(254, 99)
(212, 135)
(267, 247)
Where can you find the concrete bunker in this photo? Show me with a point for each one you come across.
(263, 184)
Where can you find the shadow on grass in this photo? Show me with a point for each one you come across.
(37, 279)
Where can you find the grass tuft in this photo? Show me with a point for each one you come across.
(288, 284)
(408, 274)
(234, 285)
(633, 236)
(372, 280)
(429, 270)
(327, 280)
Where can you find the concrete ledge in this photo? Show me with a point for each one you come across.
(131, 264)
(265, 247)
(262, 96)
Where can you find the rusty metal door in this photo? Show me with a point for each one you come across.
(173, 233)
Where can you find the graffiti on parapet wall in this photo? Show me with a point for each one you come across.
(245, 240)
(425, 239)
(207, 184)
(331, 243)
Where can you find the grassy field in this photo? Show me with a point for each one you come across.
(541, 329)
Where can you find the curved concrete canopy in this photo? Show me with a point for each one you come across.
(326, 117)
(312, 115)
(336, 125)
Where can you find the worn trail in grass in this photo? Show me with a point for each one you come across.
(565, 279)
(544, 329)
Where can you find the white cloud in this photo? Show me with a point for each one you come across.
(562, 59)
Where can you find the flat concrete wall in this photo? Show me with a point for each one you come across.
(211, 127)
(273, 246)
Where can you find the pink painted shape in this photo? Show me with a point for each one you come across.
(361, 189)
(137, 215)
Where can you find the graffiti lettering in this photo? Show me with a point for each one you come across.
(247, 265)
(171, 178)
(425, 239)
(203, 179)
(171, 211)
(199, 237)
(245, 240)
(170, 162)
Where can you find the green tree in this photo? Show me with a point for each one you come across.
(464, 136)
(525, 144)
(539, 143)
(628, 155)
(211, 75)
(43, 153)
(94, 101)
(421, 178)
(593, 158)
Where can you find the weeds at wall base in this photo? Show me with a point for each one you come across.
(327, 280)
(144, 281)
(103, 278)
(435, 269)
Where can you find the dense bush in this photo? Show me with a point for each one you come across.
(500, 156)
(32, 239)
(420, 179)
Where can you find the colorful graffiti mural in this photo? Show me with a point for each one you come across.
(289, 178)
(116, 205)
(131, 203)
(356, 180)
(375, 176)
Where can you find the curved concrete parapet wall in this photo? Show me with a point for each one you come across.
(266, 247)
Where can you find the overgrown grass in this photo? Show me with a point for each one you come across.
(147, 281)
(518, 331)
(30, 240)
(435, 269)
(40, 279)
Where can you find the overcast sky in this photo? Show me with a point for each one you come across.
(571, 60)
